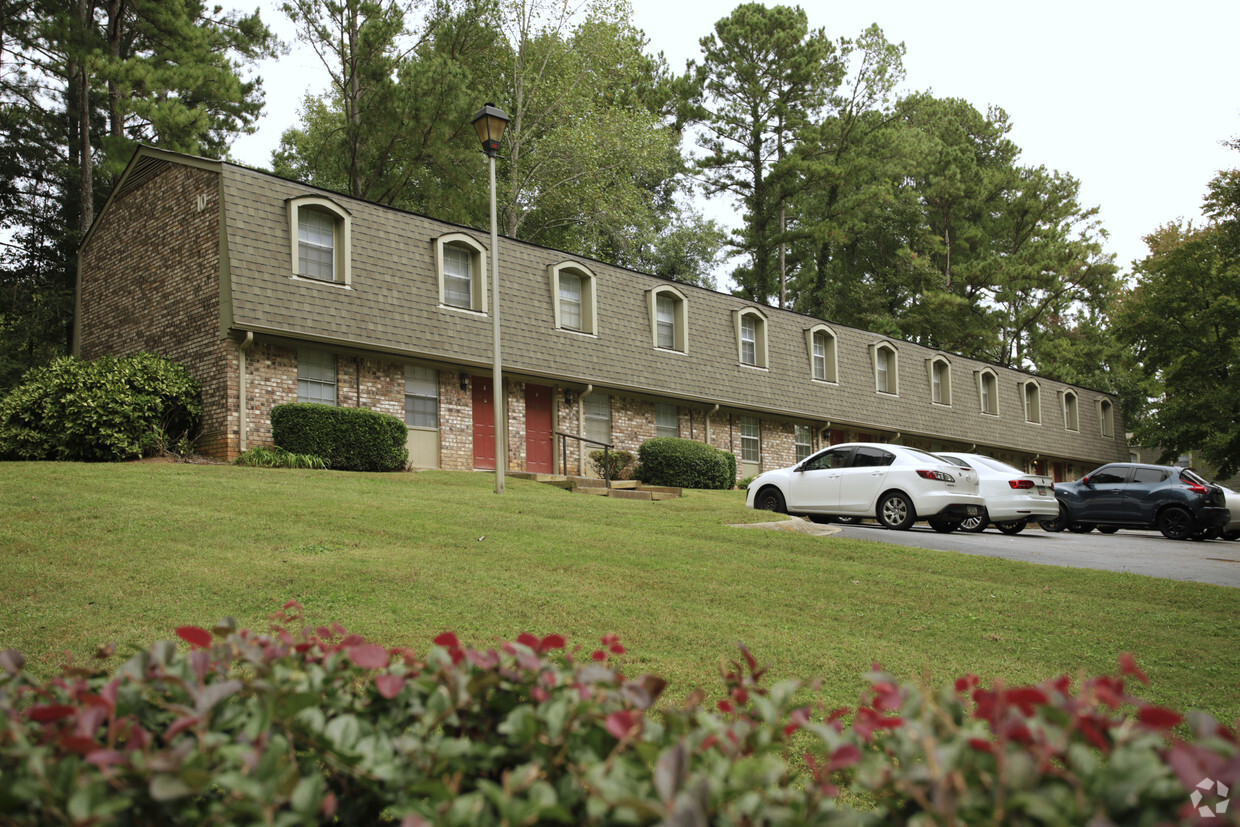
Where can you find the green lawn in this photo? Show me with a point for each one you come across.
(125, 553)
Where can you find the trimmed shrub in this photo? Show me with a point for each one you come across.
(348, 439)
(611, 465)
(114, 408)
(269, 456)
(318, 726)
(684, 463)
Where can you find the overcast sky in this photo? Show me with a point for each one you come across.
(1133, 98)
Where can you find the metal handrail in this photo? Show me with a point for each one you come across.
(606, 456)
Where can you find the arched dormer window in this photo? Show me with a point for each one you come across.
(988, 391)
(886, 364)
(820, 344)
(750, 337)
(1071, 412)
(572, 297)
(1031, 394)
(1106, 418)
(669, 319)
(461, 265)
(320, 233)
(939, 372)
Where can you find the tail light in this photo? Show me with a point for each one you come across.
(1194, 487)
(1018, 484)
(935, 475)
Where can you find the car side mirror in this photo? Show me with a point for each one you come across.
(1085, 481)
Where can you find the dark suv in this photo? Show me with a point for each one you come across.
(1173, 500)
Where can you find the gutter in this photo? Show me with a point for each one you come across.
(245, 345)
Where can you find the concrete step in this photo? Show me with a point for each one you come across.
(629, 494)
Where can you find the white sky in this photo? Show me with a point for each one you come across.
(1131, 97)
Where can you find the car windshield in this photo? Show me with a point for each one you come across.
(954, 460)
(1001, 467)
(926, 454)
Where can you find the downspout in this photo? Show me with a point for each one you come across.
(241, 424)
(824, 435)
(581, 430)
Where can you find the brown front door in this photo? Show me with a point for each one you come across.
(538, 429)
(484, 424)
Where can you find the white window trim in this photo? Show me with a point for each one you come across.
(1101, 404)
(589, 300)
(479, 276)
(437, 397)
(342, 243)
(945, 394)
(760, 340)
(980, 378)
(893, 367)
(1024, 400)
(745, 440)
(682, 318)
(1064, 396)
(833, 357)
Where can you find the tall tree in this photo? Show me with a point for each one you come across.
(764, 77)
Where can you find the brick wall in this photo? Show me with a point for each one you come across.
(456, 422)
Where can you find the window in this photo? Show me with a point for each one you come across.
(666, 420)
(1110, 475)
(1149, 475)
(1071, 417)
(827, 460)
(803, 438)
(940, 381)
(461, 265)
(886, 367)
(872, 458)
(1033, 402)
(751, 337)
(316, 376)
(597, 410)
(668, 319)
(1106, 417)
(751, 442)
(319, 230)
(821, 343)
(572, 291)
(421, 397)
(988, 392)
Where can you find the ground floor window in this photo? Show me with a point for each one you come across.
(667, 420)
(751, 443)
(597, 410)
(421, 397)
(316, 376)
(804, 442)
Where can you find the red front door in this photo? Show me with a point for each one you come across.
(484, 424)
(538, 429)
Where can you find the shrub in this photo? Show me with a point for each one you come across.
(613, 464)
(320, 726)
(269, 456)
(744, 484)
(685, 463)
(114, 408)
(348, 439)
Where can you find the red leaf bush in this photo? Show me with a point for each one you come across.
(320, 726)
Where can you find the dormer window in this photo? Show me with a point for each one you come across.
(1071, 413)
(820, 341)
(669, 323)
(751, 337)
(886, 368)
(461, 265)
(940, 381)
(320, 232)
(572, 292)
(988, 392)
(1032, 395)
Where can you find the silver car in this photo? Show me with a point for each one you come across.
(890, 483)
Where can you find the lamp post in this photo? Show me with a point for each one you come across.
(490, 122)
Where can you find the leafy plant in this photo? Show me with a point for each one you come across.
(348, 439)
(611, 464)
(114, 408)
(270, 456)
(744, 484)
(686, 463)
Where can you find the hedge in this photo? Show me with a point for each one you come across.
(685, 463)
(109, 409)
(318, 726)
(348, 439)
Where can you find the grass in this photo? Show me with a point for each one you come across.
(125, 553)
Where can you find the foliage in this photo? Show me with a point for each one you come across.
(347, 439)
(315, 725)
(1182, 321)
(613, 464)
(269, 456)
(685, 463)
(744, 484)
(114, 408)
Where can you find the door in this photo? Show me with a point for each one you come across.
(538, 451)
(1102, 497)
(484, 424)
(1144, 494)
(816, 486)
(862, 480)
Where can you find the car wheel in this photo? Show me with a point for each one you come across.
(1080, 528)
(1059, 523)
(1231, 535)
(945, 526)
(1014, 527)
(976, 524)
(1175, 523)
(769, 499)
(896, 511)
(1108, 529)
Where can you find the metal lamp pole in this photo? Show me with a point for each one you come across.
(490, 123)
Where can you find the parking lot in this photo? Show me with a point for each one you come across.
(1139, 552)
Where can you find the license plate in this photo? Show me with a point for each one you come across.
(1042, 490)
(971, 510)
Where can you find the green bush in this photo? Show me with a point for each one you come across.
(348, 439)
(318, 726)
(114, 408)
(684, 463)
(269, 456)
(612, 464)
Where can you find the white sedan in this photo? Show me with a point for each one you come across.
(1231, 531)
(1013, 498)
(891, 483)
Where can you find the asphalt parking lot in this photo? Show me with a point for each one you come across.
(1139, 552)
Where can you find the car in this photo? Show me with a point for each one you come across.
(1231, 531)
(1013, 498)
(1118, 495)
(893, 484)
